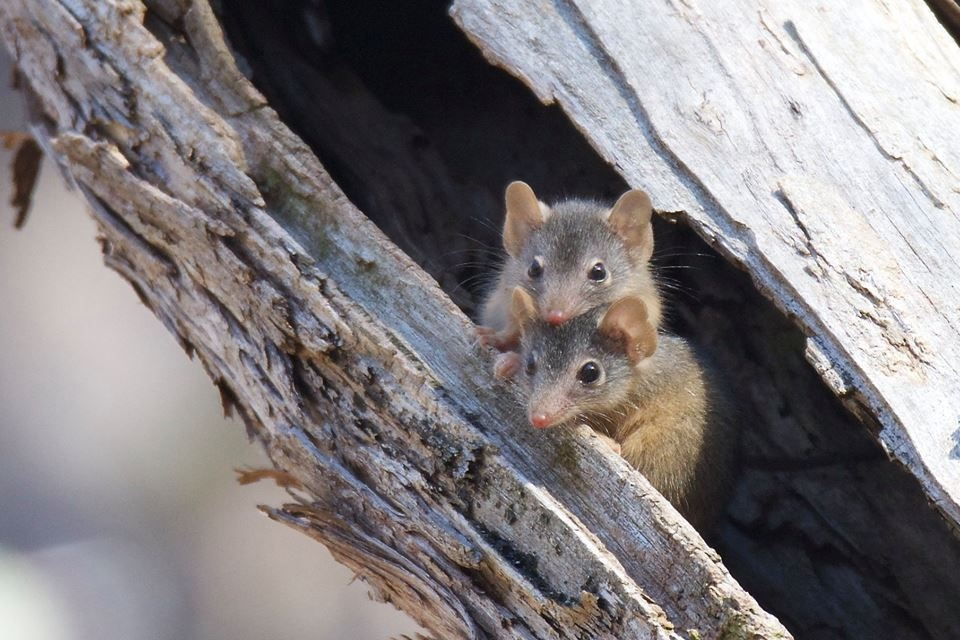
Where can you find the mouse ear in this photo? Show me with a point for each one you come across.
(524, 214)
(630, 219)
(522, 308)
(627, 323)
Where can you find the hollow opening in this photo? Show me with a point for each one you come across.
(423, 135)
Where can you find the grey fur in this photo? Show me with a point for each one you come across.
(669, 413)
(574, 236)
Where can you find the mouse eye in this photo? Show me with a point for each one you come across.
(589, 373)
(536, 268)
(531, 365)
(598, 272)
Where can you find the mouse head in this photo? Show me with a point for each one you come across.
(578, 254)
(584, 367)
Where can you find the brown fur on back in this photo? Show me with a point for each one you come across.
(667, 410)
(679, 432)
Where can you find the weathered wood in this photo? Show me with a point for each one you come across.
(949, 13)
(355, 371)
(26, 167)
(828, 533)
(809, 143)
(388, 165)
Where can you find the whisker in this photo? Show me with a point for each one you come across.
(486, 223)
(454, 252)
(662, 267)
(467, 282)
(472, 263)
(478, 241)
(681, 254)
(675, 288)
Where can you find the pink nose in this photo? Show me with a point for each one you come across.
(540, 421)
(556, 317)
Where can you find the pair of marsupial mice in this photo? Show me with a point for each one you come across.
(576, 312)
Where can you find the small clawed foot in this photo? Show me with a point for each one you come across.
(499, 340)
(506, 365)
(610, 442)
(485, 336)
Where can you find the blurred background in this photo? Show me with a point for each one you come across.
(119, 513)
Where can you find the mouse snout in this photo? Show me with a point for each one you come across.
(546, 413)
(558, 305)
(555, 317)
(540, 420)
(548, 407)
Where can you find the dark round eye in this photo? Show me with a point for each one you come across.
(536, 268)
(531, 365)
(598, 272)
(589, 373)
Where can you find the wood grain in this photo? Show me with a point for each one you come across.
(809, 143)
(343, 357)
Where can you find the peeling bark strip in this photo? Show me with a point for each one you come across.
(343, 358)
(807, 142)
(26, 167)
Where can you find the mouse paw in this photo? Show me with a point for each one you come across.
(484, 335)
(506, 365)
(505, 340)
(610, 442)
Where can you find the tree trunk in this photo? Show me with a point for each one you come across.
(358, 374)
(351, 366)
(809, 145)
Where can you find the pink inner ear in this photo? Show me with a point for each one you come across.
(630, 219)
(637, 236)
(633, 206)
(523, 216)
(646, 342)
(627, 323)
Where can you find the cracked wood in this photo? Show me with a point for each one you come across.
(343, 358)
(809, 143)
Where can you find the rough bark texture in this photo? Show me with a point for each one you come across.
(825, 531)
(807, 142)
(397, 416)
(355, 371)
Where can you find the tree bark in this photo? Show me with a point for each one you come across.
(809, 144)
(355, 371)
(820, 514)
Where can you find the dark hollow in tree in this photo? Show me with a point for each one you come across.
(827, 532)
(356, 373)
(342, 357)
